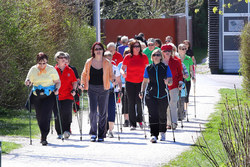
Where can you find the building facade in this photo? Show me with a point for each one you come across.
(224, 32)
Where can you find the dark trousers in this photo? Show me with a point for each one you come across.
(124, 101)
(65, 107)
(111, 106)
(133, 90)
(98, 97)
(43, 106)
(188, 86)
(157, 114)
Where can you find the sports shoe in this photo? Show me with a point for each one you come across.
(153, 139)
(66, 134)
(110, 135)
(174, 126)
(44, 143)
(163, 136)
(141, 125)
(126, 123)
(100, 140)
(59, 137)
(132, 128)
(93, 138)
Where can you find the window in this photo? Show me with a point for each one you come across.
(236, 6)
(231, 42)
(234, 24)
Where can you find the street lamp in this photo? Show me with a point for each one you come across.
(97, 21)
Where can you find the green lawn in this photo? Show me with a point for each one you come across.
(193, 157)
(8, 146)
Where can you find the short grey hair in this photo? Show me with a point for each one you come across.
(124, 39)
(111, 44)
(67, 55)
(107, 53)
(59, 53)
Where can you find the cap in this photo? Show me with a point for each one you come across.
(151, 40)
(166, 47)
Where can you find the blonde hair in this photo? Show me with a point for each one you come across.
(174, 50)
(181, 46)
(155, 51)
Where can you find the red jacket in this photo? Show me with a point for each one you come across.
(67, 78)
(176, 70)
(117, 58)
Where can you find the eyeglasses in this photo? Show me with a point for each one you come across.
(96, 49)
(158, 55)
(168, 41)
(150, 44)
(136, 46)
(126, 52)
(42, 63)
(167, 51)
(183, 49)
(62, 57)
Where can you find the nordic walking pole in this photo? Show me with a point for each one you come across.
(29, 114)
(59, 117)
(52, 118)
(117, 117)
(179, 106)
(120, 115)
(194, 93)
(144, 121)
(78, 119)
(170, 113)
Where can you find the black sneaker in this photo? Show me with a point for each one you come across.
(126, 123)
(44, 143)
(100, 140)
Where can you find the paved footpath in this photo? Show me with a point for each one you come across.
(132, 149)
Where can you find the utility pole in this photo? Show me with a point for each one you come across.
(97, 21)
(187, 18)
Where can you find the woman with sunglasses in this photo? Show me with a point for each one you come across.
(188, 62)
(156, 76)
(96, 77)
(177, 75)
(67, 92)
(132, 70)
(46, 82)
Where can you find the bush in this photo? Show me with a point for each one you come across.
(28, 27)
(245, 58)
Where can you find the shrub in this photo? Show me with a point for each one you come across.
(28, 27)
(245, 58)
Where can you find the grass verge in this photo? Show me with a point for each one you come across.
(193, 157)
(8, 146)
(16, 123)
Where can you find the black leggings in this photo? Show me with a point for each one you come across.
(188, 86)
(133, 90)
(43, 106)
(157, 114)
(65, 107)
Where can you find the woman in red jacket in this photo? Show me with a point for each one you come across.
(134, 64)
(176, 69)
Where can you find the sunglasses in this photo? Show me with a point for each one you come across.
(42, 63)
(183, 49)
(96, 49)
(126, 52)
(167, 51)
(62, 57)
(150, 44)
(158, 55)
(168, 41)
(136, 46)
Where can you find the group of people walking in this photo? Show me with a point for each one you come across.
(132, 69)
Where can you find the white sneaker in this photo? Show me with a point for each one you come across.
(66, 134)
(153, 139)
(110, 135)
(163, 136)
